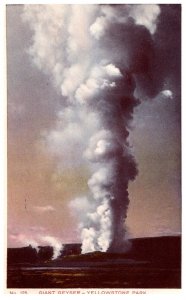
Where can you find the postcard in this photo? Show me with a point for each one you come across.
(94, 148)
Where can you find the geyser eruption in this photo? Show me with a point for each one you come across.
(101, 58)
(109, 150)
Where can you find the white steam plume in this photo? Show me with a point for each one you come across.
(36, 239)
(92, 53)
(55, 243)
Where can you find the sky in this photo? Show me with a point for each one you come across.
(45, 164)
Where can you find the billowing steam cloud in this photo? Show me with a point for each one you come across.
(101, 58)
(38, 240)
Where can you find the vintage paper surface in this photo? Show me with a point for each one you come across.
(93, 149)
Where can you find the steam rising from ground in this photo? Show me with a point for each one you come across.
(100, 57)
(38, 240)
